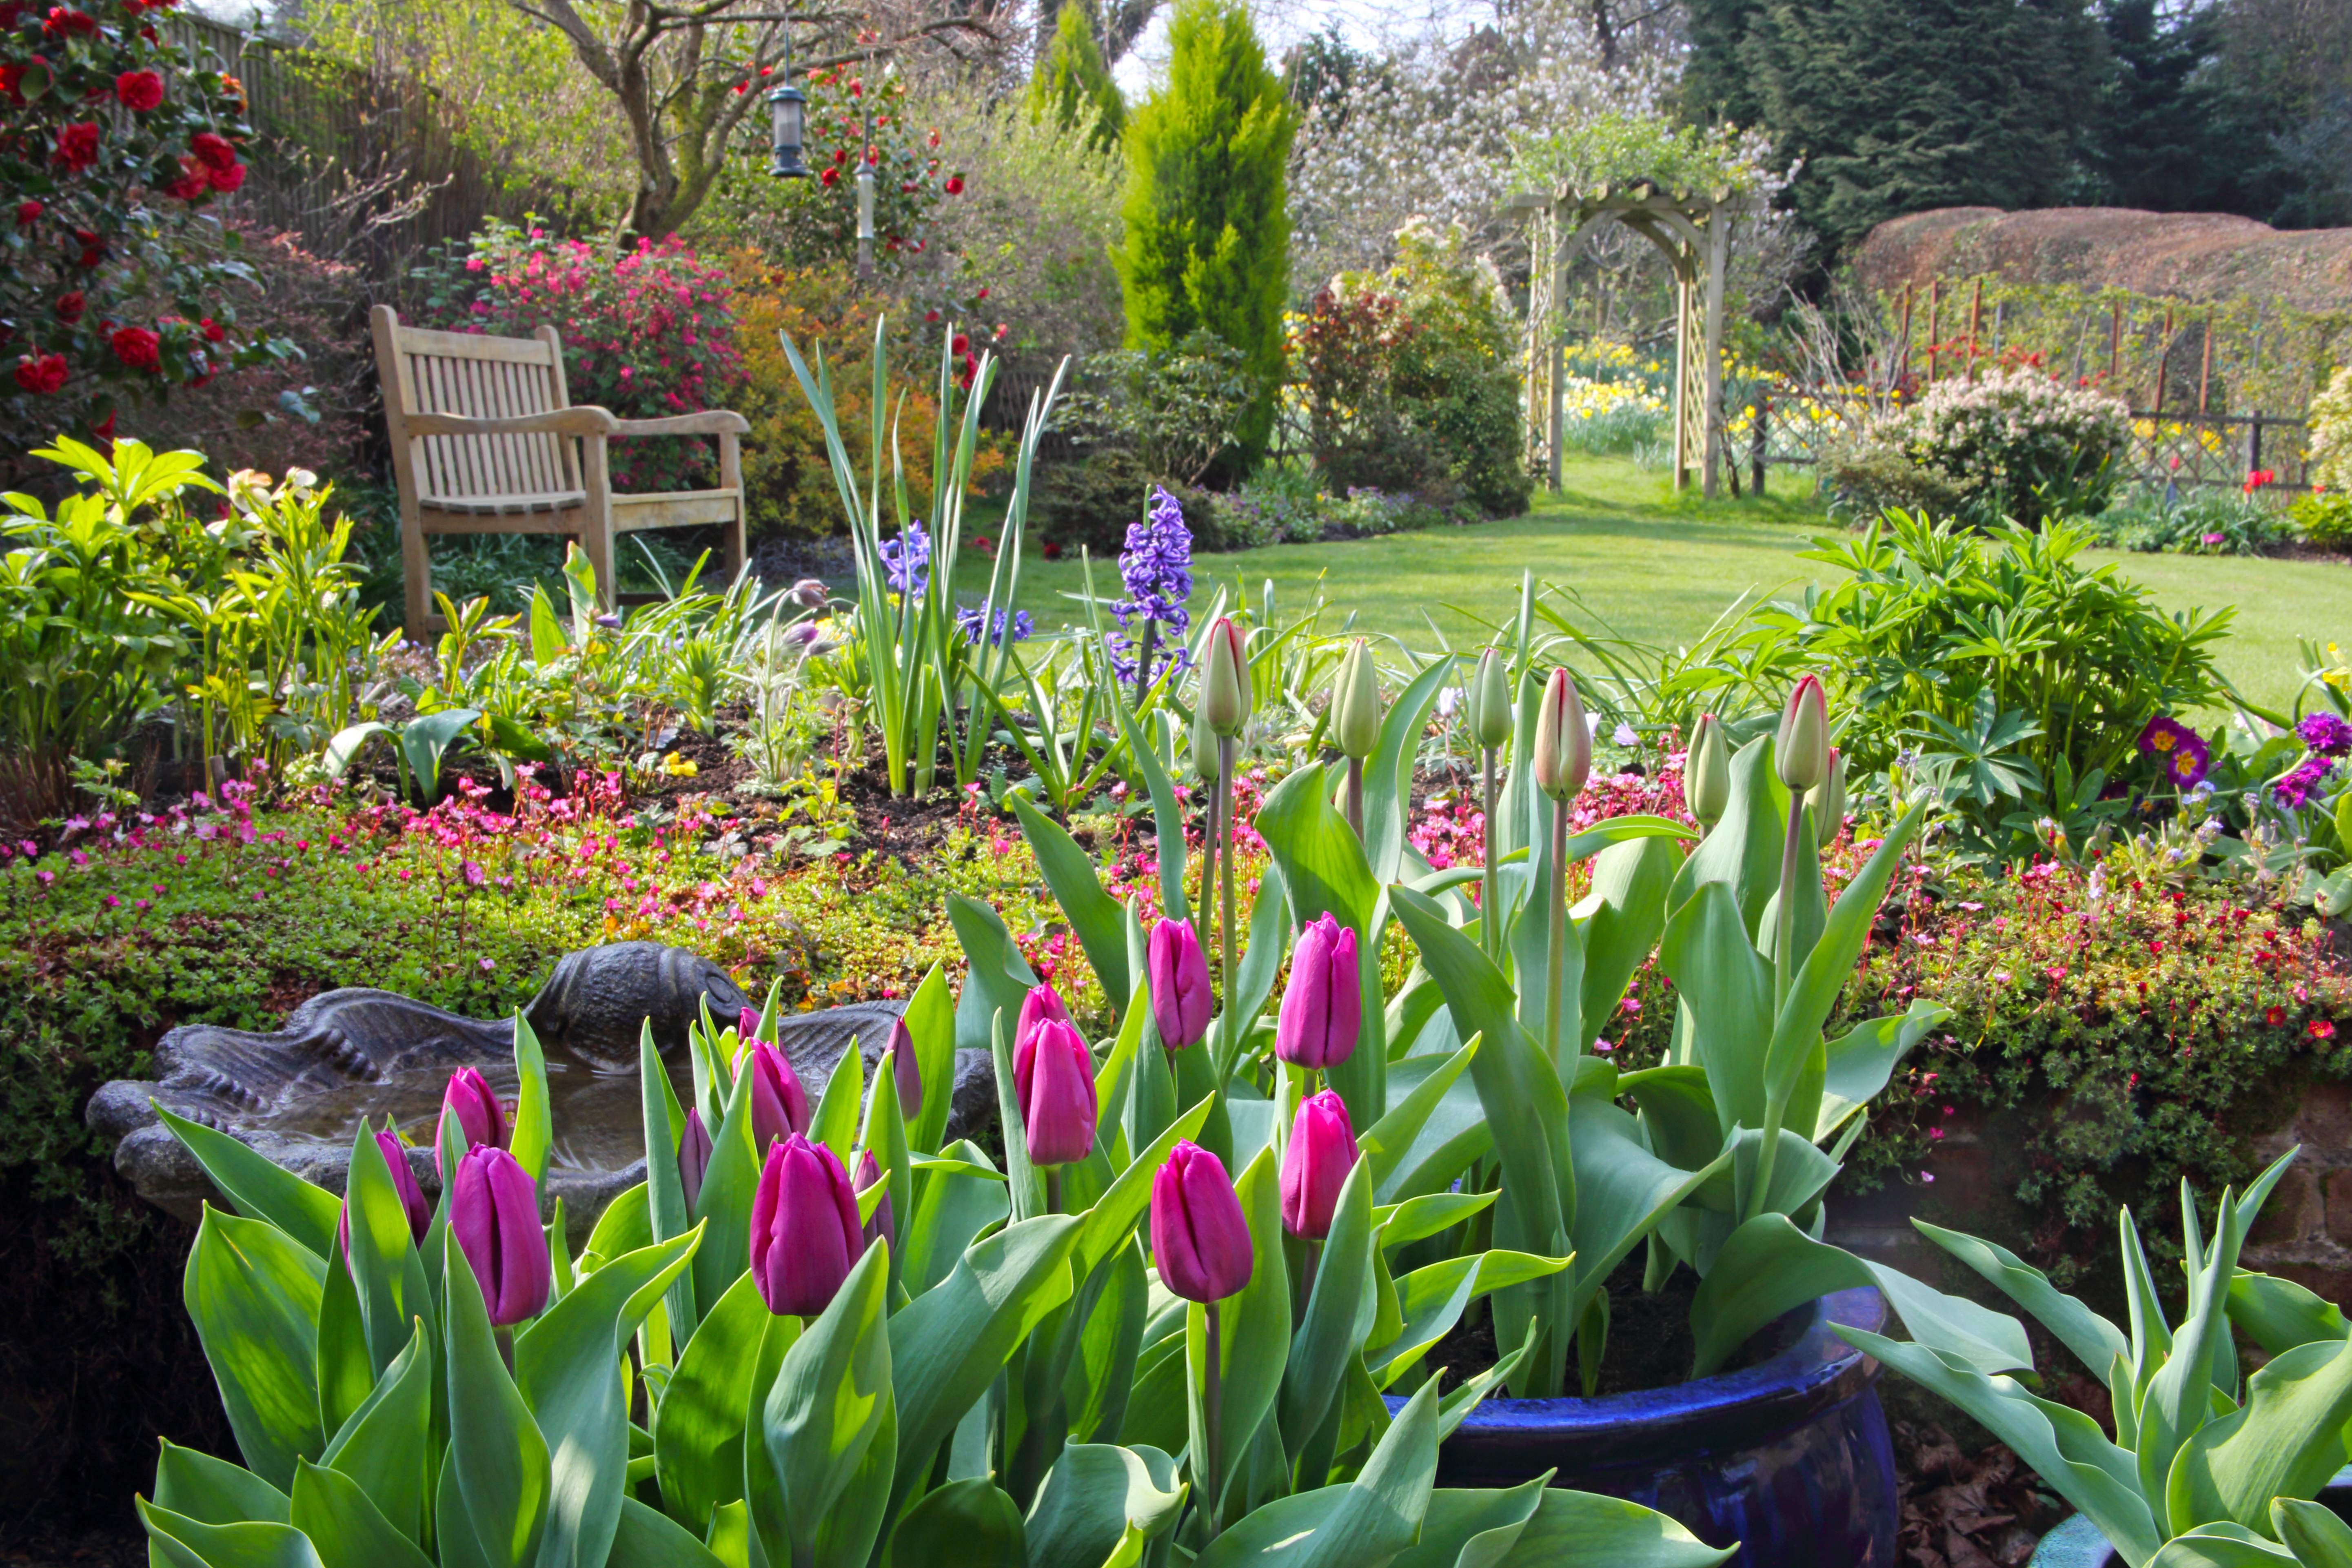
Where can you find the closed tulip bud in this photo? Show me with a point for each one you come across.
(1563, 745)
(1356, 703)
(747, 1023)
(1315, 1167)
(693, 1158)
(476, 1110)
(1041, 1003)
(1828, 798)
(905, 1070)
(1800, 752)
(494, 1214)
(1053, 1080)
(1324, 1005)
(404, 1182)
(1179, 974)
(869, 1172)
(1204, 746)
(1706, 770)
(1224, 697)
(1490, 699)
(780, 1103)
(1200, 1240)
(805, 1229)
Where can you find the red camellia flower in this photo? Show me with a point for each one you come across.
(955, 185)
(192, 185)
(228, 179)
(140, 90)
(211, 330)
(71, 306)
(136, 347)
(29, 213)
(962, 345)
(213, 150)
(830, 178)
(94, 249)
(2321, 1029)
(43, 374)
(77, 144)
(63, 22)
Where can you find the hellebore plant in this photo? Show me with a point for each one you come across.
(765, 1374)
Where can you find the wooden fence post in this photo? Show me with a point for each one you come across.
(1758, 440)
(2253, 443)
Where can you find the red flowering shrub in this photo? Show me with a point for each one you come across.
(647, 332)
(101, 124)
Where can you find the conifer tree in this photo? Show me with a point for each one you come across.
(1208, 225)
(1074, 86)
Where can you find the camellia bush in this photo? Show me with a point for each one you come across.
(116, 288)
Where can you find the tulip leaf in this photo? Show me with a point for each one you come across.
(261, 1190)
(997, 977)
(834, 1122)
(2094, 1341)
(1025, 1185)
(191, 1482)
(1387, 772)
(1432, 1300)
(385, 1268)
(346, 1371)
(1619, 921)
(1622, 1191)
(1369, 1520)
(950, 1343)
(1253, 1334)
(2178, 1398)
(625, 1226)
(1584, 1527)
(1861, 1061)
(1450, 1133)
(253, 1295)
(2279, 1314)
(1099, 919)
(1095, 1494)
(832, 1404)
(1742, 850)
(729, 1187)
(2223, 1546)
(1464, 1528)
(496, 1455)
(345, 1525)
(1268, 945)
(1386, 1141)
(2313, 1533)
(384, 1445)
(1113, 1217)
(1338, 1315)
(1101, 1371)
(954, 1201)
(885, 1135)
(185, 1542)
(665, 1186)
(971, 1523)
(930, 1021)
(648, 1538)
(1324, 871)
(1167, 816)
(1428, 1214)
(1158, 1409)
(2286, 1440)
(1726, 987)
(698, 1424)
(567, 1365)
(2064, 1448)
(533, 1131)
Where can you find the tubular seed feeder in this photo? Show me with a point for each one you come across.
(1693, 231)
(788, 120)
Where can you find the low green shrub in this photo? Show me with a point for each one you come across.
(2013, 445)
(2325, 516)
(2207, 522)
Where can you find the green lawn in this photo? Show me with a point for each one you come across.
(1659, 570)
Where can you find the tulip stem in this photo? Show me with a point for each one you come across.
(1053, 1189)
(1306, 1285)
(505, 1338)
(1558, 951)
(1356, 797)
(1785, 938)
(1227, 958)
(1489, 934)
(1212, 1440)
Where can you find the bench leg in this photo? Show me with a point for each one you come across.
(731, 476)
(416, 573)
(597, 525)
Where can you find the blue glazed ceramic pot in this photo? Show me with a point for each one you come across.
(1789, 1458)
(2077, 1543)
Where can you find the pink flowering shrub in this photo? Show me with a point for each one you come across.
(647, 333)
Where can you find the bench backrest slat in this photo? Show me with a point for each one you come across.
(429, 372)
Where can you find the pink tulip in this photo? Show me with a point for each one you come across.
(404, 1182)
(905, 1070)
(779, 1106)
(1179, 985)
(1324, 1005)
(1042, 1002)
(1054, 1079)
(494, 1214)
(805, 1230)
(478, 1114)
(870, 1171)
(1200, 1239)
(693, 1158)
(1315, 1166)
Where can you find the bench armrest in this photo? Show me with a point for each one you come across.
(586, 419)
(709, 422)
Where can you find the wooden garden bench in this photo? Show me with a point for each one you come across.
(486, 439)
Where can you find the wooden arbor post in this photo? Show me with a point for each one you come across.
(1692, 232)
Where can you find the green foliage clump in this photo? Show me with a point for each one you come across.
(1208, 223)
(2331, 432)
(2324, 518)
(1618, 150)
(2013, 445)
(1073, 87)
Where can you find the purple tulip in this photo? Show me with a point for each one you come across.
(1041, 1003)
(870, 1171)
(779, 1106)
(1199, 1238)
(693, 1158)
(906, 1070)
(1179, 985)
(404, 1182)
(747, 1023)
(494, 1212)
(478, 1113)
(805, 1230)
(1053, 1079)
(1315, 1167)
(1324, 1004)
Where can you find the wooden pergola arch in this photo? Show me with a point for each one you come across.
(1693, 231)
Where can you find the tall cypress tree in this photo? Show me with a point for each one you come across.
(1896, 106)
(1208, 222)
(1074, 86)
